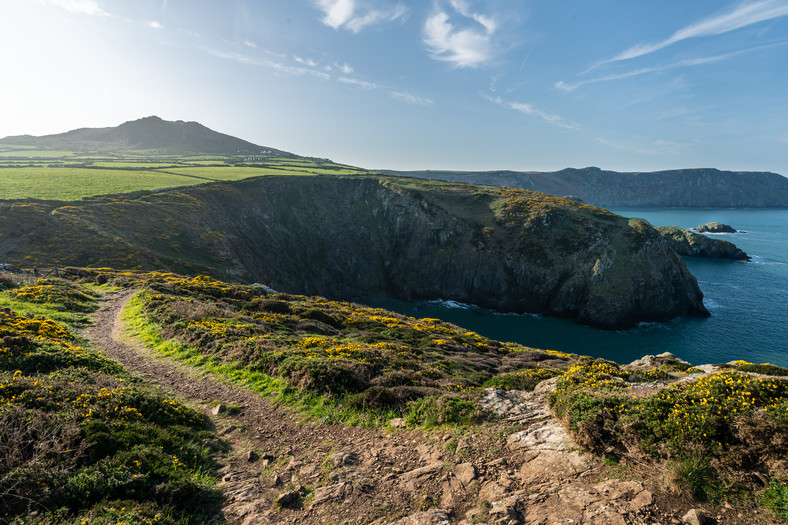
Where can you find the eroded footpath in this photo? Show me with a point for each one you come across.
(283, 469)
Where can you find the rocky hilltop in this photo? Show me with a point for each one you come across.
(506, 249)
(149, 133)
(685, 188)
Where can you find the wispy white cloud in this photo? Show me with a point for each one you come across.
(249, 43)
(360, 83)
(284, 65)
(355, 15)
(84, 7)
(344, 68)
(305, 61)
(279, 67)
(489, 22)
(466, 47)
(689, 62)
(412, 99)
(153, 24)
(744, 14)
(532, 111)
(375, 17)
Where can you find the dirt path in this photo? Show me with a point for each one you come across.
(281, 469)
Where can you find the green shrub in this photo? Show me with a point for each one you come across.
(693, 476)
(776, 498)
(765, 368)
(445, 410)
(78, 433)
(522, 379)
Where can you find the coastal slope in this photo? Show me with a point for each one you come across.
(345, 237)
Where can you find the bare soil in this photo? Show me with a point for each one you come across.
(282, 468)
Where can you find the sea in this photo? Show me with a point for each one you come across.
(748, 302)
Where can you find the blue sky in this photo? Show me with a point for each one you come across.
(418, 84)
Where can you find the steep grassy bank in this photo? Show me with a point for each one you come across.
(343, 237)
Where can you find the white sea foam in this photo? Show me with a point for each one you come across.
(448, 303)
(711, 304)
(757, 259)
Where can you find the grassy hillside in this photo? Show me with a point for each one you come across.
(715, 437)
(82, 440)
(72, 175)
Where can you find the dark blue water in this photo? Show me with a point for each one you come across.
(748, 303)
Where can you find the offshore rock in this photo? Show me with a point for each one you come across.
(691, 244)
(345, 237)
(715, 227)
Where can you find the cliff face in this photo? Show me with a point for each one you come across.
(688, 188)
(510, 250)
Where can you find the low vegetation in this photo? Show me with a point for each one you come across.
(81, 440)
(710, 429)
(132, 451)
(356, 363)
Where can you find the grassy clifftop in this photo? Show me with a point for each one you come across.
(344, 237)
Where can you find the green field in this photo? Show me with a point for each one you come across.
(64, 175)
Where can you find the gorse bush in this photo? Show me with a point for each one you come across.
(363, 359)
(59, 294)
(78, 432)
(723, 421)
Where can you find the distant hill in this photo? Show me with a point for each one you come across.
(149, 133)
(685, 188)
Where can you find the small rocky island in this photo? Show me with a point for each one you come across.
(715, 227)
(691, 244)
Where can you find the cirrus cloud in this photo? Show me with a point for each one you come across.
(743, 15)
(532, 111)
(83, 7)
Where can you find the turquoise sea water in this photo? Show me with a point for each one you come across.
(748, 302)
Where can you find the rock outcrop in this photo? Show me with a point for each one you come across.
(691, 244)
(504, 249)
(715, 227)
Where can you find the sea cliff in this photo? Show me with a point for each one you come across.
(506, 249)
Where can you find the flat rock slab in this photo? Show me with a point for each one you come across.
(611, 502)
(430, 517)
